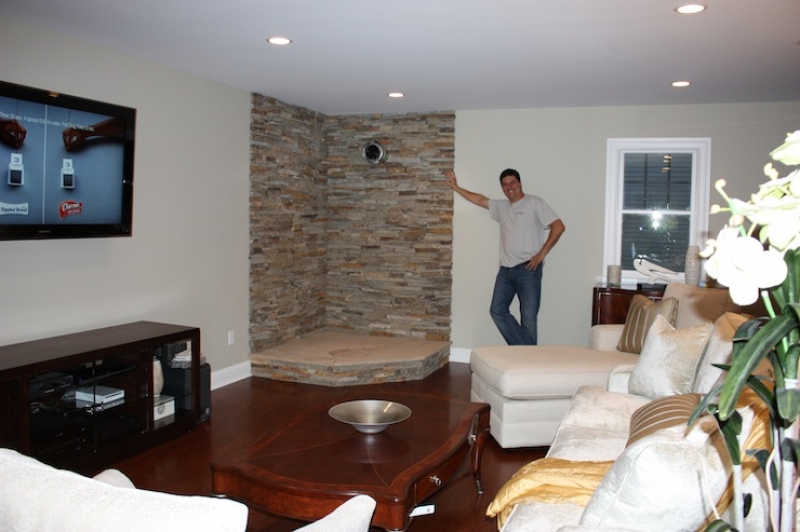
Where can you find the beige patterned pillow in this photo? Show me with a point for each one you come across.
(718, 351)
(641, 314)
(669, 359)
(662, 413)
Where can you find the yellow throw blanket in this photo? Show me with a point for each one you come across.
(549, 480)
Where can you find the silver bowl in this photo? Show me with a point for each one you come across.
(370, 416)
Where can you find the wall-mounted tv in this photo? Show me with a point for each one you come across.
(66, 165)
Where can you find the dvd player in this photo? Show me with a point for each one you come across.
(99, 395)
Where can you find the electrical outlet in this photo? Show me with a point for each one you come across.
(231, 338)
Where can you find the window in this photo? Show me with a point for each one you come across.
(656, 201)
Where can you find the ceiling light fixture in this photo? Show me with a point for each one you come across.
(690, 9)
(279, 41)
(681, 83)
(395, 95)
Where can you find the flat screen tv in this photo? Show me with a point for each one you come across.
(66, 165)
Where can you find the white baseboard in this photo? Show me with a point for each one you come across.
(460, 354)
(231, 374)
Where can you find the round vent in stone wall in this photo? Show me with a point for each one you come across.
(373, 152)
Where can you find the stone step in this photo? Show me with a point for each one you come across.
(341, 358)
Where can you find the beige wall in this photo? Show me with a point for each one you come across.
(187, 262)
(561, 155)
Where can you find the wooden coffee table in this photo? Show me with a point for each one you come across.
(308, 468)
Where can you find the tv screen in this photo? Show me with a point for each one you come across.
(66, 165)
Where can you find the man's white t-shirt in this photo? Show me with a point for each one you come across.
(523, 227)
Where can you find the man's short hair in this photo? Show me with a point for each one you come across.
(507, 172)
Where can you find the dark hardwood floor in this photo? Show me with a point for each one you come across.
(244, 411)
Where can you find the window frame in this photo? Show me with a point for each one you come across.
(616, 148)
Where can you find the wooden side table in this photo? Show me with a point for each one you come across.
(610, 303)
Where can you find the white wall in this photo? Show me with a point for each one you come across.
(187, 262)
(561, 156)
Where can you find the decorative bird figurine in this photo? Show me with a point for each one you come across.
(653, 271)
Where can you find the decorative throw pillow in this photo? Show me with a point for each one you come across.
(669, 482)
(670, 411)
(669, 359)
(641, 314)
(718, 351)
(548, 480)
(699, 304)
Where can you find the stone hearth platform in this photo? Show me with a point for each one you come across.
(337, 358)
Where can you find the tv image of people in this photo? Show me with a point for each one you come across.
(59, 165)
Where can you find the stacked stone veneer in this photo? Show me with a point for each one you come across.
(339, 242)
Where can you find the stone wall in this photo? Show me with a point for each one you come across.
(390, 227)
(339, 242)
(288, 195)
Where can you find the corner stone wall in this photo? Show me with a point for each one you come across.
(390, 237)
(337, 242)
(288, 220)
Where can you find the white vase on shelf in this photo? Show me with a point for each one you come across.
(692, 269)
(158, 377)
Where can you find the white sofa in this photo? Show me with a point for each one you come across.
(35, 497)
(529, 388)
(623, 458)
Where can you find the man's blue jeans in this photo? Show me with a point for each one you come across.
(527, 286)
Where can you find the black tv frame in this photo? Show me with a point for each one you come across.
(124, 119)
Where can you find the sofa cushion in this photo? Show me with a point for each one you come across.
(669, 359)
(718, 351)
(670, 411)
(354, 515)
(542, 516)
(42, 498)
(538, 371)
(698, 305)
(641, 314)
(114, 477)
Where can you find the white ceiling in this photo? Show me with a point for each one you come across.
(453, 54)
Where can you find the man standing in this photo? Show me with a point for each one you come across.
(524, 242)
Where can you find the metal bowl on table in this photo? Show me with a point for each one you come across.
(370, 416)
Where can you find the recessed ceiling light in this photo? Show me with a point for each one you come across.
(690, 9)
(681, 83)
(395, 95)
(279, 41)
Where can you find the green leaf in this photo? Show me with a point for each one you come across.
(748, 503)
(762, 455)
(746, 330)
(790, 450)
(748, 358)
(788, 400)
(719, 526)
(706, 405)
(790, 359)
(731, 428)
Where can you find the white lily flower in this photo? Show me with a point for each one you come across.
(789, 152)
(742, 264)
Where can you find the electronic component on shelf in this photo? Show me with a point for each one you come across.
(99, 395)
(16, 171)
(67, 174)
(175, 353)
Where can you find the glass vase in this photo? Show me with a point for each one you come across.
(158, 377)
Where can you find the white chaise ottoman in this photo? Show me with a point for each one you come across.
(529, 388)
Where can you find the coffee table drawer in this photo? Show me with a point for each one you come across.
(440, 475)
